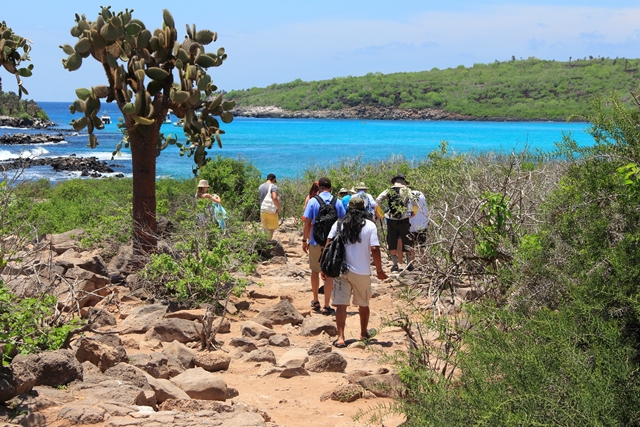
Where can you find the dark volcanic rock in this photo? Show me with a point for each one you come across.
(24, 138)
(89, 166)
(17, 122)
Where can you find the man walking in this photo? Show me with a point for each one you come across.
(320, 214)
(401, 207)
(269, 204)
(360, 237)
(369, 202)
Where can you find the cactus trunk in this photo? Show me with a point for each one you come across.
(143, 161)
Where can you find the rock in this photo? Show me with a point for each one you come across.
(254, 330)
(87, 287)
(261, 355)
(196, 314)
(112, 340)
(315, 325)
(294, 358)
(187, 406)
(212, 360)
(158, 365)
(32, 419)
(165, 389)
(168, 330)
(7, 388)
(92, 263)
(245, 344)
(125, 372)
(200, 384)
(143, 318)
(328, 362)
(124, 262)
(382, 385)
(50, 368)
(101, 355)
(281, 313)
(293, 372)
(92, 374)
(319, 347)
(100, 319)
(347, 393)
(279, 341)
(181, 352)
(271, 249)
(78, 413)
(116, 391)
(355, 376)
(243, 305)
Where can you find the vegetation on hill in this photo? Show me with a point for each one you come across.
(11, 105)
(531, 89)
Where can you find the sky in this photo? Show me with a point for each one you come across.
(279, 41)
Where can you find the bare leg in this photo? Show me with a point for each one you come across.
(399, 250)
(341, 320)
(364, 321)
(328, 288)
(315, 284)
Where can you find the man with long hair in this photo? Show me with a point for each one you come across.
(360, 237)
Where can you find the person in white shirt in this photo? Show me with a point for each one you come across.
(361, 242)
(419, 223)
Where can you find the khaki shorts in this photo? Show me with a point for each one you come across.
(358, 285)
(269, 220)
(315, 251)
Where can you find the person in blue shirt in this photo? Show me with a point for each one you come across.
(310, 246)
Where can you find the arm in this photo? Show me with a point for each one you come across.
(276, 202)
(306, 233)
(377, 260)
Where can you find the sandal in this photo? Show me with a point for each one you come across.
(327, 311)
(315, 305)
(336, 344)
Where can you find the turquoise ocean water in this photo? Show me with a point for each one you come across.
(287, 147)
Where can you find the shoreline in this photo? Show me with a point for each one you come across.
(371, 113)
(22, 123)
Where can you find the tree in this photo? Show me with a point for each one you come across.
(140, 66)
(10, 57)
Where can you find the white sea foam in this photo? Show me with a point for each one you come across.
(106, 155)
(22, 154)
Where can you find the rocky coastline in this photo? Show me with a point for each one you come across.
(88, 166)
(25, 139)
(361, 113)
(18, 122)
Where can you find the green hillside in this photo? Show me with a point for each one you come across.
(524, 89)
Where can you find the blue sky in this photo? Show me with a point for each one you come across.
(279, 41)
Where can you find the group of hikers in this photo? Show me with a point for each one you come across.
(350, 216)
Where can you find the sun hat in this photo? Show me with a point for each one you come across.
(356, 203)
(343, 191)
(399, 177)
(203, 183)
(361, 186)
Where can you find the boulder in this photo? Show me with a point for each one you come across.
(128, 373)
(319, 347)
(84, 261)
(143, 318)
(101, 355)
(328, 362)
(200, 384)
(382, 385)
(165, 389)
(315, 325)
(116, 391)
(294, 358)
(168, 330)
(245, 344)
(91, 374)
(100, 319)
(112, 340)
(158, 365)
(293, 372)
(7, 388)
(51, 368)
(261, 355)
(79, 413)
(212, 360)
(347, 393)
(281, 313)
(181, 352)
(279, 341)
(254, 330)
(87, 288)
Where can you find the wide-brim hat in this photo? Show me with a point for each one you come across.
(361, 186)
(356, 202)
(399, 177)
(203, 183)
(343, 190)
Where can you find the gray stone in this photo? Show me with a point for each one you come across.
(77, 413)
(245, 344)
(315, 325)
(50, 368)
(281, 313)
(181, 352)
(382, 385)
(100, 319)
(143, 318)
(165, 389)
(293, 372)
(279, 341)
(212, 360)
(347, 393)
(319, 348)
(181, 330)
(115, 391)
(125, 372)
(200, 384)
(261, 355)
(254, 330)
(112, 340)
(101, 355)
(328, 362)
(158, 365)
(294, 358)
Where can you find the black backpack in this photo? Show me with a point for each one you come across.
(398, 205)
(326, 217)
(332, 259)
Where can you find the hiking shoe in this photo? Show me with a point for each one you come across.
(327, 311)
(395, 268)
(315, 305)
(410, 267)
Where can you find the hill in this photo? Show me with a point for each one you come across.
(531, 89)
(16, 112)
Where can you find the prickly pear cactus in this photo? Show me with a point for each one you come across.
(10, 56)
(150, 73)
